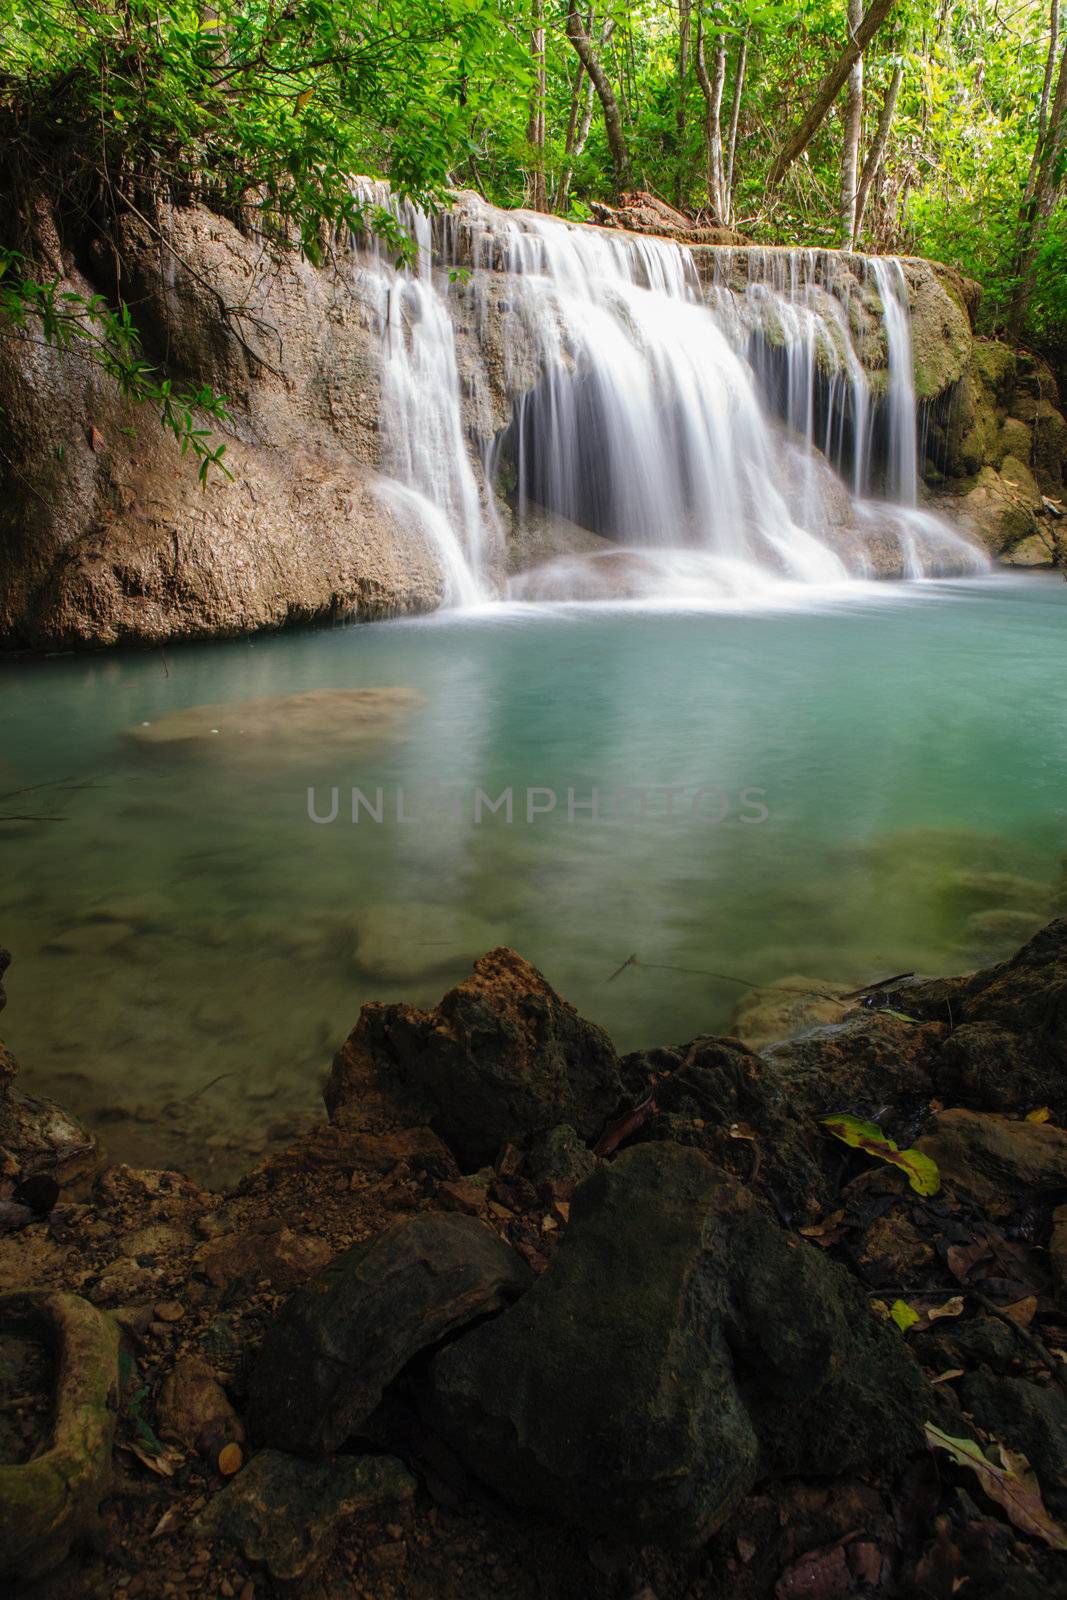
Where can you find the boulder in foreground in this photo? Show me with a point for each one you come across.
(679, 1347)
(343, 1337)
(502, 1057)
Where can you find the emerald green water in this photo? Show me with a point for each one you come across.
(181, 920)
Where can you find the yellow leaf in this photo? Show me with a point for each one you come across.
(903, 1315)
(920, 1171)
(1042, 1114)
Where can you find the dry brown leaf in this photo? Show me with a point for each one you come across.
(230, 1459)
(1012, 1486)
(948, 1376)
(951, 1308)
(1041, 1114)
(1022, 1311)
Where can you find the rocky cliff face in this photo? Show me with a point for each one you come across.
(104, 533)
(997, 446)
(106, 536)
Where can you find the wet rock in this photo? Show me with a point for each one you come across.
(41, 1138)
(338, 1342)
(991, 1158)
(678, 1347)
(194, 1409)
(559, 1162)
(893, 1252)
(277, 1254)
(856, 1065)
(789, 1006)
(313, 722)
(1026, 1416)
(1007, 1047)
(502, 1059)
(739, 1109)
(49, 1502)
(1057, 1251)
(992, 933)
(399, 943)
(287, 1515)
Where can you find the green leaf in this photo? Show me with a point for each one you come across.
(903, 1315)
(919, 1170)
(1011, 1486)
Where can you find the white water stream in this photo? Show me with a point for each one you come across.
(691, 429)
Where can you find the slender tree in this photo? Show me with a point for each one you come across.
(1050, 156)
(853, 128)
(872, 166)
(679, 114)
(735, 117)
(535, 127)
(583, 44)
(711, 87)
(828, 91)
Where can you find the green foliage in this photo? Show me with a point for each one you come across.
(266, 109)
(65, 319)
(920, 1171)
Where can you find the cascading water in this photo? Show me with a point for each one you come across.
(683, 434)
(428, 474)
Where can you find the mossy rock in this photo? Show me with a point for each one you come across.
(51, 1501)
(941, 335)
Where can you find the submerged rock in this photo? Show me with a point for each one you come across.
(347, 1334)
(313, 722)
(788, 1006)
(403, 943)
(288, 1514)
(501, 1058)
(678, 1347)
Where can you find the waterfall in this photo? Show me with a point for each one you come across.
(428, 476)
(682, 438)
(903, 474)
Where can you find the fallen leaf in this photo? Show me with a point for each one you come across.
(960, 1258)
(1022, 1311)
(167, 1522)
(161, 1462)
(1041, 1114)
(920, 1171)
(230, 1459)
(903, 1315)
(947, 1377)
(951, 1308)
(1012, 1486)
(741, 1130)
(620, 1128)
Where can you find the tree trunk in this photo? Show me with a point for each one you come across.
(1037, 208)
(853, 127)
(876, 154)
(711, 88)
(1046, 89)
(735, 117)
(679, 115)
(828, 92)
(535, 128)
(583, 44)
(584, 107)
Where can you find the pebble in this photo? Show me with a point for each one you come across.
(169, 1310)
